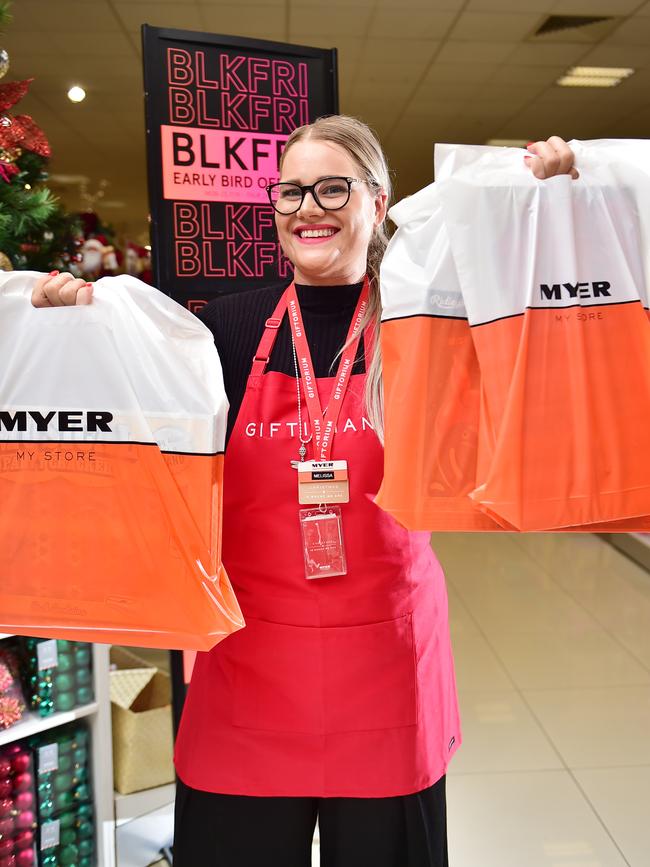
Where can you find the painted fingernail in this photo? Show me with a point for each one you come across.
(54, 273)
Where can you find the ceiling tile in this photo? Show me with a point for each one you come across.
(33, 44)
(538, 6)
(635, 31)
(529, 54)
(594, 7)
(351, 20)
(316, 6)
(396, 51)
(77, 16)
(432, 95)
(503, 27)
(450, 73)
(526, 75)
(456, 51)
(183, 16)
(243, 20)
(348, 49)
(416, 24)
(380, 74)
(636, 56)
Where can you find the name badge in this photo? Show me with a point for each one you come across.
(323, 482)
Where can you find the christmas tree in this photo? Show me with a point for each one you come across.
(35, 231)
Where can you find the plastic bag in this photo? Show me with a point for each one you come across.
(554, 395)
(112, 425)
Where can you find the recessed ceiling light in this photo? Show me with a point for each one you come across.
(76, 94)
(595, 76)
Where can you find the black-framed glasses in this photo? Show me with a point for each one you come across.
(330, 194)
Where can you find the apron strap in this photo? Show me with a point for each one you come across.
(267, 341)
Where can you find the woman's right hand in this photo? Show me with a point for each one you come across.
(61, 290)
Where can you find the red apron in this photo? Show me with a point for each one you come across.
(337, 687)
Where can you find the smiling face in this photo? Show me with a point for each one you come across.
(327, 247)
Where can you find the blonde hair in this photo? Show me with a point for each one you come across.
(362, 145)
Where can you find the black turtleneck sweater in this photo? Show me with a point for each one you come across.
(237, 322)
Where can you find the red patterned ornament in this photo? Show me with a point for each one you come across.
(11, 710)
(21, 129)
(12, 92)
(6, 677)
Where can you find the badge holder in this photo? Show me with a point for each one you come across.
(322, 542)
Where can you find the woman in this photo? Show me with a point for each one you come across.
(338, 700)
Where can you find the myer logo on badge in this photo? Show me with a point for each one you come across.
(72, 421)
(554, 291)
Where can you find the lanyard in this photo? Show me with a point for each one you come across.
(322, 430)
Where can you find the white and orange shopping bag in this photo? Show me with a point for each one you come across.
(516, 344)
(112, 425)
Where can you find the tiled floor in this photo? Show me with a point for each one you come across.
(551, 638)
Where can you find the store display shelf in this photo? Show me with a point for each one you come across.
(128, 807)
(32, 723)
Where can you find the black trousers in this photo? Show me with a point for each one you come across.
(241, 831)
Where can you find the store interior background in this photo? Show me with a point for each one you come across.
(551, 633)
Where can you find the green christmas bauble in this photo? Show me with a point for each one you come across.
(66, 661)
(68, 856)
(67, 820)
(84, 695)
(65, 701)
(62, 782)
(83, 676)
(86, 847)
(64, 682)
(82, 655)
(68, 836)
(86, 829)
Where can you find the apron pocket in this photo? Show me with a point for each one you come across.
(277, 678)
(324, 680)
(369, 676)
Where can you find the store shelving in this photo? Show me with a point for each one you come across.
(98, 714)
(33, 724)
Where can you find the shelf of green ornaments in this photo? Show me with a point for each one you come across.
(31, 723)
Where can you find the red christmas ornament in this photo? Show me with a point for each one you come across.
(12, 92)
(7, 171)
(26, 820)
(24, 839)
(25, 858)
(21, 763)
(21, 130)
(23, 782)
(24, 800)
(30, 135)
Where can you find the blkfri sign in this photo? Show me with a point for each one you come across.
(219, 110)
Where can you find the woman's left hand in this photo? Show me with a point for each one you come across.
(551, 157)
